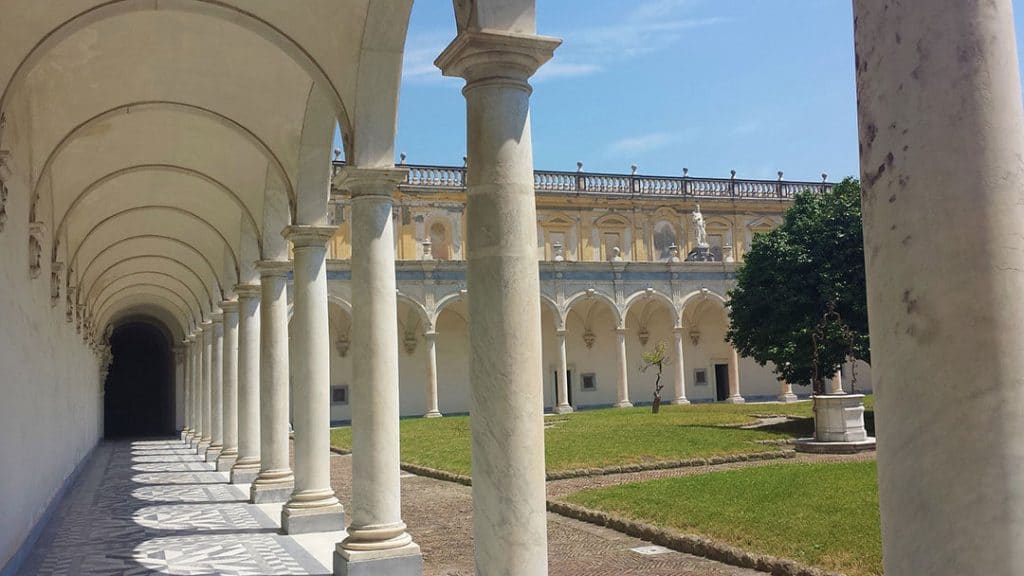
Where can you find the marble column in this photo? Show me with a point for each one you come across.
(206, 396)
(186, 433)
(836, 382)
(312, 507)
(430, 338)
(216, 388)
(509, 515)
(621, 370)
(377, 541)
(275, 481)
(229, 384)
(562, 401)
(195, 347)
(734, 378)
(786, 394)
(942, 167)
(247, 466)
(679, 368)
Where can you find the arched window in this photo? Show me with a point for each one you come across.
(440, 243)
(664, 240)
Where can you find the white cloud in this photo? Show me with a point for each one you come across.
(633, 145)
(420, 52)
(563, 69)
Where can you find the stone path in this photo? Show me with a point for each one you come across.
(439, 515)
(152, 507)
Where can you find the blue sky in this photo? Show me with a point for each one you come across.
(752, 85)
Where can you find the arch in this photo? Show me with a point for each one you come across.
(213, 8)
(421, 311)
(213, 269)
(545, 300)
(103, 305)
(178, 281)
(340, 302)
(612, 219)
(692, 301)
(128, 306)
(649, 295)
(445, 302)
(186, 108)
(88, 288)
(157, 314)
(161, 295)
(159, 167)
(175, 209)
(597, 295)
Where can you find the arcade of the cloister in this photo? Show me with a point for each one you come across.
(166, 178)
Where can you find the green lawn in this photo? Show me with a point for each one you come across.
(610, 437)
(825, 515)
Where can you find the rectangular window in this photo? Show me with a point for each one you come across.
(339, 395)
(588, 381)
(700, 377)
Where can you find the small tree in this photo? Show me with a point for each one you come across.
(800, 300)
(658, 358)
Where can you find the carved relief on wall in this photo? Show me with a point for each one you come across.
(36, 232)
(5, 174)
(55, 282)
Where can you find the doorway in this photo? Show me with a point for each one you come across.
(721, 382)
(568, 374)
(139, 391)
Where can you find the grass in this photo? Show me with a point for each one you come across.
(610, 437)
(824, 515)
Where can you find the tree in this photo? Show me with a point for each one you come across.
(800, 300)
(657, 358)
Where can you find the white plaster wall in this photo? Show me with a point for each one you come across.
(453, 392)
(50, 393)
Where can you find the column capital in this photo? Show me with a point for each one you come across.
(370, 181)
(430, 335)
(217, 317)
(274, 267)
(229, 306)
(204, 326)
(494, 54)
(305, 235)
(561, 332)
(621, 330)
(248, 291)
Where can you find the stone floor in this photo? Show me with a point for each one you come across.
(152, 507)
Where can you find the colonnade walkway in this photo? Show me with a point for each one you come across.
(153, 507)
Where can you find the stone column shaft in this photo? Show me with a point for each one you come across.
(229, 383)
(734, 378)
(942, 167)
(509, 515)
(679, 368)
(432, 405)
(188, 392)
(206, 400)
(622, 370)
(247, 465)
(313, 506)
(377, 533)
(786, 392)
(562, 402)
(216, 388)
(837, 382)
(195, 341)
(275, 481)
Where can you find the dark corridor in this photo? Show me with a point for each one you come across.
(139, 391)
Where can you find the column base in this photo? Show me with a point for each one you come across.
(213, 452)
(562, 409)
(404, 561)
(268, 492)
(735, 400)
(226, 460)
(201, 447)
(679, 401)
(245, 473)
(787, 398)
(329, 518)
(433, 414)
(624, 404)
